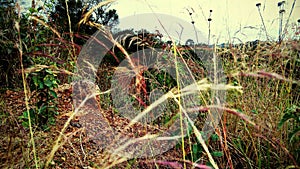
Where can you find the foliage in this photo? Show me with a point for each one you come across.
(9, 61)
(76, 11)
(291, 117)
(197, 151)
(291, 113)
(30, 37)
(43, 81)
(269, 74)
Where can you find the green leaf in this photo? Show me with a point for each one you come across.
(254, 111)
(293, 134)
(190, 128)
(214, 137)
(195, 148)
(49, 71)
(217, 153)
(31, 113)
(55, 85)
(46, 127)
(25, 124)
(41, 85)
(35, 80)
(32, 10)
(240, 110)
(48, 82)
(24, 115)
(52, 120)
(42, 109)
(285, 118)
(209, 164)
(53, 93)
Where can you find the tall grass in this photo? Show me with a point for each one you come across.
(262, 84)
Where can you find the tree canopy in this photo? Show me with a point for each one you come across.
(77, 9)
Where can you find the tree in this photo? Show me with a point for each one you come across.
(76, 10)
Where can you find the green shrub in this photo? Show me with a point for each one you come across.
(42, 83)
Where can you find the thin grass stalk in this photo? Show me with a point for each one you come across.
(190, 143)
(89, 13)
(281, 11)
(208, 33)
(201, 95)
(195, 165)
(280, 26)
(287, 21)
(230, 111)
(46, 25)
(225, 147)
(209, 30)
(179, 101)
(198, 136)
(20, 49)
(262, 20)
(71, 32)
(193, 23)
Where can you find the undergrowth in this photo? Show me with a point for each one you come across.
(259, 126)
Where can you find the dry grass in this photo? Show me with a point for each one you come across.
(263, 82)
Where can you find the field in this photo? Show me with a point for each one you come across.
(140, 102)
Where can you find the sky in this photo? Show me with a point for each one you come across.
(232, 20)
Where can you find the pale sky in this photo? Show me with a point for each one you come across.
(228, 17)
(231, 19)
